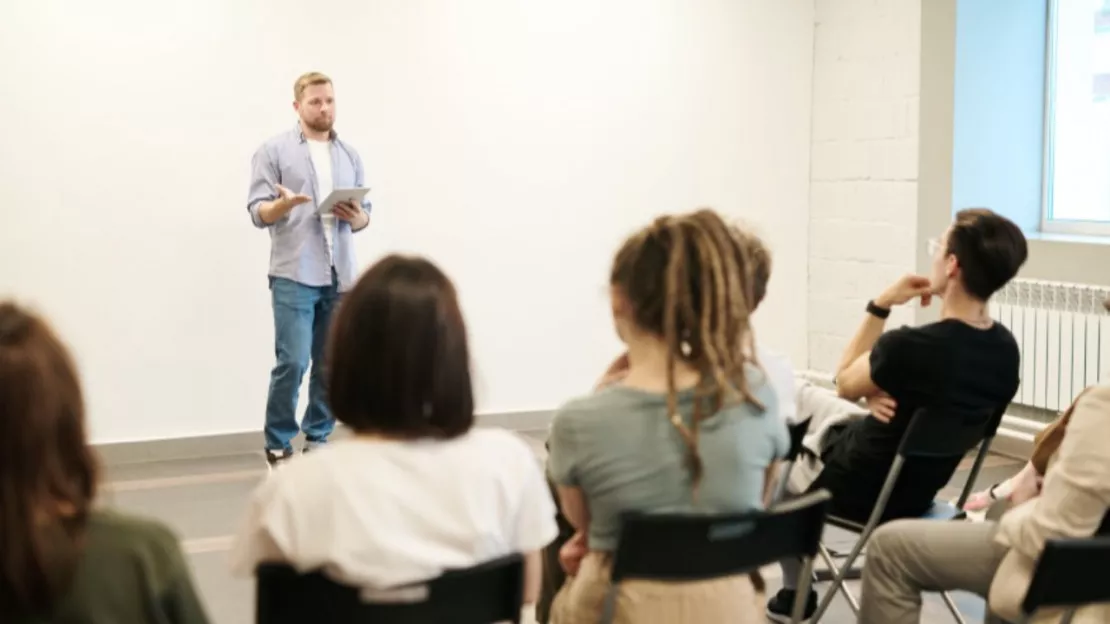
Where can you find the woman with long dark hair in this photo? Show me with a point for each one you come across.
(418, 490)
(61, 560)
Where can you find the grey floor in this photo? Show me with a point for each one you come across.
(203, 499)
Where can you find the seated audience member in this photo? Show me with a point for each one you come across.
(996, 560)
(61, 561)
(779, 371)
(1004, 491)
(1028, 481)
(417, 490)
(965, 360)
(691, 426)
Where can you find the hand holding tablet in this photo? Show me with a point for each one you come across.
(341, 196)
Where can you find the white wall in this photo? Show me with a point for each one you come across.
(514, 142)
(863, 193)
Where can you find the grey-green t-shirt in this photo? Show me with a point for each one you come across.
(620, 448)
(132, 571)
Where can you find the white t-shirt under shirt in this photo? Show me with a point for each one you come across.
(781, 375)
(379, 514)
(320, 151)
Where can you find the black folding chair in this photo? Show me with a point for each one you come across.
(933, 434)
(687, 547)
(797, 434)
(491, 592)
(1070, 573)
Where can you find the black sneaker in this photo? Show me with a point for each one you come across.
(277, 458)
(781, 606)
(313, 445)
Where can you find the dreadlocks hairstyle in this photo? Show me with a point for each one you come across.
(688, 280)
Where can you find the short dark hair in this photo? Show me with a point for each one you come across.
(398, 362)
(989, 248)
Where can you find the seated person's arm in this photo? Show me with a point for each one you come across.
(535, 525)
(853, 375)
(177, 601)
(563, 463)
(533, 576)
(267, 519)
(770, 480)
(780, 440)
(854, 382)
(900, 362)
(1076, 490)
(573, 503)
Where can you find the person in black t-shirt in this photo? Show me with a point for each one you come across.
(965, 361)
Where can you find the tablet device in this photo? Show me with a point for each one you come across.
(342, 195)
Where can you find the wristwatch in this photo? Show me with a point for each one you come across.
(876, 311)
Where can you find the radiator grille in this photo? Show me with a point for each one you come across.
(1064, 335)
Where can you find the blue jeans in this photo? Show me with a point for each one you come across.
(301, 318)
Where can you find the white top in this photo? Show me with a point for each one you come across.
(321, 162)
(781, 375)
(379, 514)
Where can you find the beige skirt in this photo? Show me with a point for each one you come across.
(733, 599)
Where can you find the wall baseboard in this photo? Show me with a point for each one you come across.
(1014, 439)
(199, 447)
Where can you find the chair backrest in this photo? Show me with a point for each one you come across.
(945, 432)
(687, 547)
(1070, 573)
(491, 592)
(936, 434)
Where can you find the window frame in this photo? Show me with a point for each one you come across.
(1048, 225)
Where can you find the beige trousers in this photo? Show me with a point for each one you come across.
(727, 600)
(908, 557)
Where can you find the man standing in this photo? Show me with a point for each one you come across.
(312, 258)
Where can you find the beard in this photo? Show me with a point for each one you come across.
(320, 124)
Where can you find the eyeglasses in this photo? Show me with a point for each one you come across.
(934, 246)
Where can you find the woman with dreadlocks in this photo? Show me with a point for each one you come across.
(691, 427)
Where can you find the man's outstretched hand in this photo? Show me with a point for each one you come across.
(291, 198)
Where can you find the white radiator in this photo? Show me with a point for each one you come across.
(1064, 335)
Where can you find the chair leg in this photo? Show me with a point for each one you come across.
(951, 604)
(609, 607)
(801, 597)
(824, 576)
(827, 557)
(838, 580)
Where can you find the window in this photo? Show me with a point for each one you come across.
(1077, 132)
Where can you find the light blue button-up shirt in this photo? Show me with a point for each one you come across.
(298, 249)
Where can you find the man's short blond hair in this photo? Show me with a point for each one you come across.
(307, 80)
